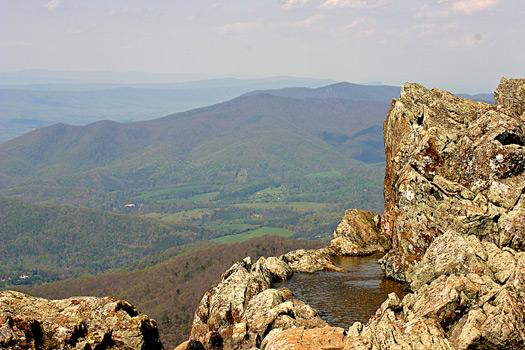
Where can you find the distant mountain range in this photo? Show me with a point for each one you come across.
(354, 92)
(83, 99)
(344, 90)
(260, 134)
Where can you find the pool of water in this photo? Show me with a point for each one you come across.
(344, 298)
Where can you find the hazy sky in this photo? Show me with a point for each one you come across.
(459, 45)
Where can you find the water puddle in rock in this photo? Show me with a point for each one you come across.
(344, 298)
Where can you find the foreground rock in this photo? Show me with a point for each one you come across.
(461, 310)
(75, 323)
(243, 307)
(359, 234)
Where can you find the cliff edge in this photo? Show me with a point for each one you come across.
(453, 165)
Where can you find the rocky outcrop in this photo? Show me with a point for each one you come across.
(474, 300)
(454, 200)
(243, 307)
(359, 234)
(452, 165)
(510, 95)
(75, 323)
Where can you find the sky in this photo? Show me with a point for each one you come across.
(457, 45)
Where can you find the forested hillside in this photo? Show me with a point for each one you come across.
(44, 243)
(260, 135)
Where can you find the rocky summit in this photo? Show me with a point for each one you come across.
(453, 230)
(85, 323)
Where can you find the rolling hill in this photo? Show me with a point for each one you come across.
(344, 90)
(261, 135)
(46, 243)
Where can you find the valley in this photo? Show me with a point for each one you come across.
(132, 209)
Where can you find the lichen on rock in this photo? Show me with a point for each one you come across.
(452, 165)
(76, 323)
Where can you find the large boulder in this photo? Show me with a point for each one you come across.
(452, 165)
(76, 323)
(359, 233)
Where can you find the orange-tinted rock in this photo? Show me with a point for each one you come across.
(326, 338)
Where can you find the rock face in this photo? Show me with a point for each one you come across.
(75, 323)
(510, 94)
(453, 165)
(243, 307)
(359, 233)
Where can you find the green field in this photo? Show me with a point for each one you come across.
(205, 197)
(182, 216)
(333, 173)
(263, 231)
(300, 207)
(230, 227)
(275, 190)
(169, 192)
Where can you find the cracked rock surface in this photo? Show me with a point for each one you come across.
(76, 323)
(453, 165)
(243, 308)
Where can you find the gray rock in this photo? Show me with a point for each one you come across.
(76, 323)
(452, 165)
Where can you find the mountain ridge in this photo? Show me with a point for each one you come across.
(208, 140)
(346, 90)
